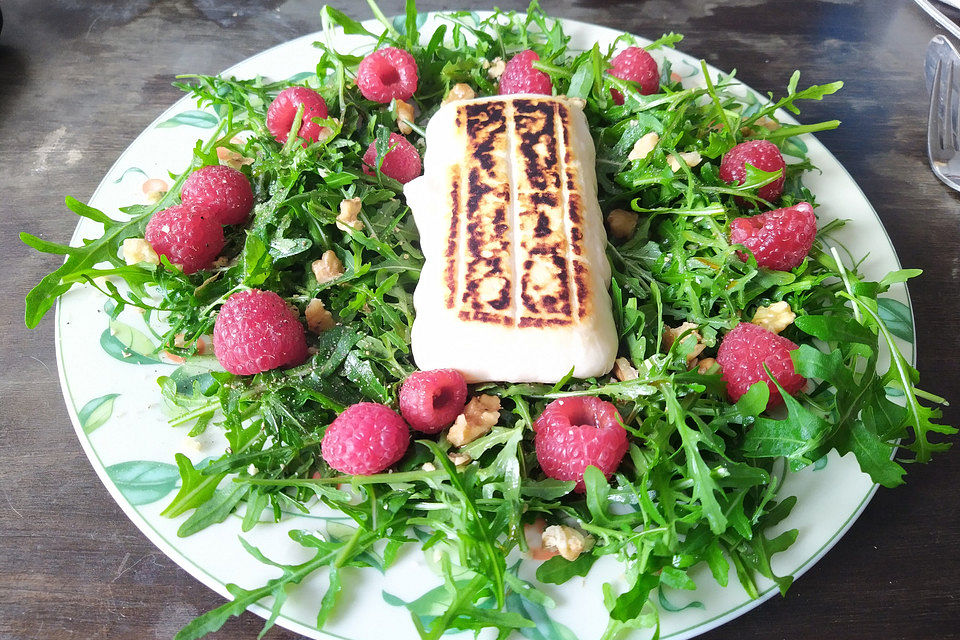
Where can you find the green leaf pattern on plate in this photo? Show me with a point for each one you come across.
(96, 412)
(144, 481)
(195, 118)
(131, 170)
(666, 605)
(428, 606)
(127, 344)
(897, 317)
(547, 628)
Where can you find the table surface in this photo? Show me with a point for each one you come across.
(79, 80)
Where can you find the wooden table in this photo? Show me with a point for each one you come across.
(78, 81)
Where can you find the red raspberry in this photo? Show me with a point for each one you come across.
(574, 433)
(221, 192)
(402, 161)
(365, 439)
(519, 76)
(431, 400)
(634, 63)
(761, 154)
(744, 351)
(187, 236)
(256, 331)
(779, 239)
(386, 74)
(283, 110)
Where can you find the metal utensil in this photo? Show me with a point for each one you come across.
(938, 15)
(940, 48)
(953, 3)
(943, 127)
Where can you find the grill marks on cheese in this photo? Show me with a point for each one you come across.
(514, 250)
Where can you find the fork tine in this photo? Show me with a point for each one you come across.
(949, 128)
(954, 115)
(933, 129)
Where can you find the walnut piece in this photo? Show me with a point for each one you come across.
(707, 365)
(478, 417)
(318, 318)
(768, 123)
(776, 317)
(404, 115)
(690, 158)
(327, 268)
(623, 370)
(459, 459)
(460, 91)
(566, 541)
(349, 212)
(622, 223)
(495, 69)
(137, 250)
(643, 146)
(670, 336)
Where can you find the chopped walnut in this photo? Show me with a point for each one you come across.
(349, 212)
(191, 445)
(567, 541)
(622, 223)
(327, 268)
(690, 158)
(768, 123)
(495, 69)
(459, 459)
(643, 146)
(460, 91)
(478, 417)
(670, 335)
(776, 317)
(137, 250)
(623, 370)
(318, 318)
(404, 115)
(707, 365)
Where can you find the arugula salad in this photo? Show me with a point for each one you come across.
(699, 484)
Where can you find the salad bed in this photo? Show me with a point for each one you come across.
(698, 483)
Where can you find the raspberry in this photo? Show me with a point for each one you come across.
(574, 433)
(221, 192)
(519, 76)
(634, 63)
(744, 351)
(186, 235)
(761, 154)
(256, 331)
(283, 110)
(402, 161)
(779, 239)
(431, 400)
(365, 439)
(386, 74)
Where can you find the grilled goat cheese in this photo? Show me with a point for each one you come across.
(514, 287)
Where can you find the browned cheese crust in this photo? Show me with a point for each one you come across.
(516, 207)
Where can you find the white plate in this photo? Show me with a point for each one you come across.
(132, 447)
